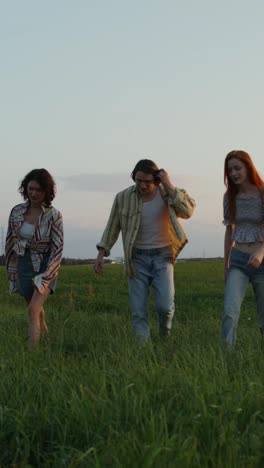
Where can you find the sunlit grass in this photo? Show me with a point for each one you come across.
(92, 398)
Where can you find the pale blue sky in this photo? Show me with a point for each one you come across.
(89, 88)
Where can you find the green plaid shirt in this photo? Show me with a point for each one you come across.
(125, 216)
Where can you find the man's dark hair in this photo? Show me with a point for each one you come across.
(44, 179)
(145, 165)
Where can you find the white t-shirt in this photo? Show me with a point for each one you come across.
(154, 224)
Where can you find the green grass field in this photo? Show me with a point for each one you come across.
(91, 397)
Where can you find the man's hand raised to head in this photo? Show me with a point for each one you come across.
(165, 179)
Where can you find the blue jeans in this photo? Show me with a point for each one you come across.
(154, 267)
(238, 278)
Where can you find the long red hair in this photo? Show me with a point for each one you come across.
(252, 174)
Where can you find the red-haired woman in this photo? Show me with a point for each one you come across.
(244, 240)
(33, 248)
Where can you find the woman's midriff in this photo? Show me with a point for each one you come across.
(249, 247)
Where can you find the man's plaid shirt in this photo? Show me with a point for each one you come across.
(125, 217)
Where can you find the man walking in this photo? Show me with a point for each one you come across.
(147, 215)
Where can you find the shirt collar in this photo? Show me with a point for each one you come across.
(26, 205)
(160, 187)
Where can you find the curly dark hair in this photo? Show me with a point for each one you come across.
(46, 182)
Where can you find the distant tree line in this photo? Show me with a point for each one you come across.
(81, 261)
(91, 261)
(201, 259)
(69, 261)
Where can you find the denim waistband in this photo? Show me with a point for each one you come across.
(239, 259)
(236, 253)
(156, 251)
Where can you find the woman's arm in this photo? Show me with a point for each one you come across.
(42, 280)
(10, 256)
(228, 246)
(57, 239)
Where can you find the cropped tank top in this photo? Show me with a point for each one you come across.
(249, 219)
(27, 231)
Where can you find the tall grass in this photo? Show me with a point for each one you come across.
(92, 398)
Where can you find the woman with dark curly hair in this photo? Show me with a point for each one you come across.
(33, 249)
(244, 240)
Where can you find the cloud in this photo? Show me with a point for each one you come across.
(85, 202)
(96, 182)
(101, 182)
(92, 192)
(204, 241)
(81, 242)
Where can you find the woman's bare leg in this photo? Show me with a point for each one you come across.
(43, 326)
(36, 316)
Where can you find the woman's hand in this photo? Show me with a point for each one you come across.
(256, 258)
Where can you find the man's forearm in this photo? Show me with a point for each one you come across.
(183, 204)
(101, 252)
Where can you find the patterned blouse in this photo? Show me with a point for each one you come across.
(249, 219)
(47, 238)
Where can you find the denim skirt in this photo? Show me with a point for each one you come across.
(26, 274)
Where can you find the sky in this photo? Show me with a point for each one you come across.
(88, 88)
